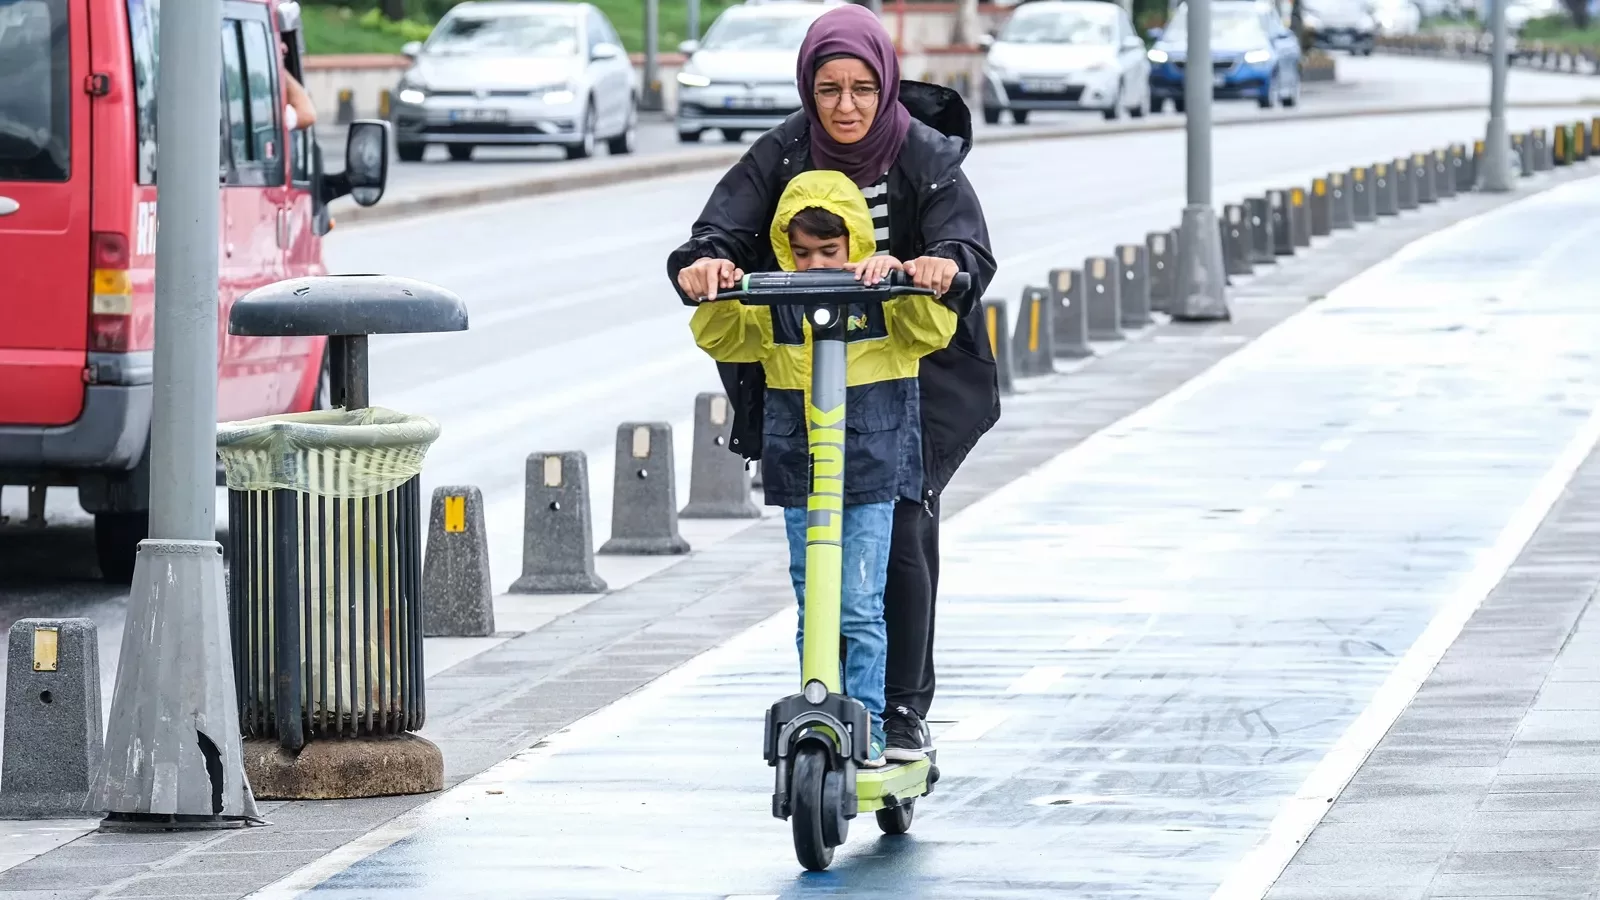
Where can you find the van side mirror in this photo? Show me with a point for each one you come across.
(605, 50)
(412, 49)
(289, 16)
(689, 48)
(366, 160)
(986, 42)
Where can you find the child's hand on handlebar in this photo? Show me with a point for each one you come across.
(704, 277)
(871, 271)
(933, 272)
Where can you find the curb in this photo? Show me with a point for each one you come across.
(682, 164)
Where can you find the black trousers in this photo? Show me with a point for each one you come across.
(908, 606)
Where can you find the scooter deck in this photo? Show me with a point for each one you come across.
(901, 780)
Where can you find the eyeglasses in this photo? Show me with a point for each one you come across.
(828, 96)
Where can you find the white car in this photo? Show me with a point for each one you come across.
(1066, 55)
(1397, 18)
(517, 73)
(741, 77)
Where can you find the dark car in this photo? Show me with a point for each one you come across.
(1254, 56)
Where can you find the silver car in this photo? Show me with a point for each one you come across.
(517, 73)
(1066, 55)
(741, 77)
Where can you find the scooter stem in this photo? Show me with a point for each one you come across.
(825, 434)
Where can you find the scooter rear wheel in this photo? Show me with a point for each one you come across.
(807, 810)
(897, 819)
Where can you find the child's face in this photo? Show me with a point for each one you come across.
(812, 252)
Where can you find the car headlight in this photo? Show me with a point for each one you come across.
(412, 95)
(1157, 56)
(1258, 56)
(690, 79)
(559, 94)
(1310, 21)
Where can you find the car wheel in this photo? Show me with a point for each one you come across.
(461, 152)
(1114, 111)
(991, 115)
(622, 144)
(1158, 104)
(410, 152)
(1177, 105)
(688, 137)
(1138, 109)
(1269, 94)
(1292, 98)
(732, 135)
(116, 543)
(584, 148)
(1019, 116)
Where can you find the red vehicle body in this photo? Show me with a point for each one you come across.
(78, 238)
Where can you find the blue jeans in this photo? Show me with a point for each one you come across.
(867, 528)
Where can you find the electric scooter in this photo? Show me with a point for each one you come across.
(817, 739)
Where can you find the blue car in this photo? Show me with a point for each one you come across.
(1253, 56)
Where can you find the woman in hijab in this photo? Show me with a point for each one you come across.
(902, 143)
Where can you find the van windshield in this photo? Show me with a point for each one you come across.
(757, 33)
(35, 103)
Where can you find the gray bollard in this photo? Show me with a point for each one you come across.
(1320, 205)
(1162, 247)
(1387, 193)
(1461, 168)
(457, 596)
(1299, 218)
(1236, 240)
(1033, 346)
(1535, 151)
(1102, 291)
(1422, 174)
(995, 321)
(1361, 195)
(53, 738)
(346, 111)
(1405, 185)
(1444, 175)
(1068, 315)
(755, 475)
(557, 531)
(644, 502)
(719, 486)
(1472, 164)
(1260, 215)
(1282, 239)
(1135, 293)
(1341, 203)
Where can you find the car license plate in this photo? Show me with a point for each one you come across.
(1043, 86)
(1341, 39)
(749, 103)
(478, 115)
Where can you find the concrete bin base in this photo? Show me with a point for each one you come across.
(344, 769)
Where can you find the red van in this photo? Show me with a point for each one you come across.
(78, 238)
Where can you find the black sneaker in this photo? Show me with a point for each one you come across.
(907, 736)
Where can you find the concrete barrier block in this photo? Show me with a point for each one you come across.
(385, 104)
(1461, 163)
(347, 107)
(1282, 239)
(1444, 174)
(1341, 205)
(1162, 248)
(1299, 218)
(1068, 311)
(1260, 215)
(1320, 204)
(996, 322)
(644, 502)
(719, 485)
(1236, 240)
(1362, 194)
(1423, 174)
(1532, 152)
(53, 736)
(557, 529)
(457, 595)
(1135, 292)
(1102, 292)
(1405, 185)
(1388, 189)
(1580, 142)
(1032, 344)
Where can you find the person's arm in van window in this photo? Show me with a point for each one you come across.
(304, 113)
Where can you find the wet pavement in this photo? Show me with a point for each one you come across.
(1148, 647)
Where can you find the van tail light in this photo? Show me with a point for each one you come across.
(111, 294)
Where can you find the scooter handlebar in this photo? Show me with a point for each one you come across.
(828, 286)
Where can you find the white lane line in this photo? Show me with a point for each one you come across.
(1255, 873)
(1254, 515)
(1037, 680)
(1092, 639)
(1310, 467)
(752, 897)
(1283, 490)
(1218, 543)
(1336, 445)
(1385, 408)
(971, 729)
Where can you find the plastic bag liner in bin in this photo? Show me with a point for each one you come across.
(325, 555)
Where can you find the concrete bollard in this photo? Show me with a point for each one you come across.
(1405, 186)
(1162, 248)
(755, 476)
(1299, 218)
(1260, 215)
(385, 103)
(1361, 195)
(1033, 346)
(1529, 152)
(1135, 292)
(1580, 142)
(1068, 315)
(1321, 211)
(1387, 193)
(1461, 168)
(557, 530)
(347, 107)
(1282, 238)
(719, 485)
(457, 595)
(1102, 292)
(1236, 240)
(1341, 203)
(53, 737)
(1422, 174)
(644, 501)
(1444, 175)
(995, 321)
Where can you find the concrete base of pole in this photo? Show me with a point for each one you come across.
(1200, 291)
(345, 768)
(1494, 169)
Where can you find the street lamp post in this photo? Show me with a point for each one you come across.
(1494, 174)
(1201, 285)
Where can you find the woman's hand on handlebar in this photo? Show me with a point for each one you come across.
(704, 277)
(871, 271)
(932, 273)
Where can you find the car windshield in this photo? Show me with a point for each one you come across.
(1057, 26)
(1229, 25)
(35, 91)
(513, 35)
(757, 33)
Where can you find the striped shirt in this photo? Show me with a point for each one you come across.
(877, 195)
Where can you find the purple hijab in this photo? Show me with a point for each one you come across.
(854, 31)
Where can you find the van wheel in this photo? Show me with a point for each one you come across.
(116, 543)
(732, 135)
(991, 115)
(410, 152)
(461, 152)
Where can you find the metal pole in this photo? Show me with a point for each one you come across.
(1197, 88)
(652, 73)
(1493, 171)
(693, 28)
(1200, 291)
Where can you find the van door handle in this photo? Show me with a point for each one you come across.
(8, 206)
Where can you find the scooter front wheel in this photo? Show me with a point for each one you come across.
(897, 819)
(807, 808)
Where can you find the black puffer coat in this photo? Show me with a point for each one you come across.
(933, 211)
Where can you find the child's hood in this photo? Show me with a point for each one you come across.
(833, 192)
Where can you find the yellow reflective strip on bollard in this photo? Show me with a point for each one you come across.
(45, 644)
(1319, 187)
(993, 321)
(1033, 326)
(1297, 197)
(455, 515)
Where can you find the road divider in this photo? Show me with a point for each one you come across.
(557, 527)
(1101, 288)
(1064, 328)
(995, 320)
(52, 710)
(457, 596)
(1135, 291)
(719, 483)
(644, 505)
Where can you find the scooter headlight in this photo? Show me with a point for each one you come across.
(815, 692)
